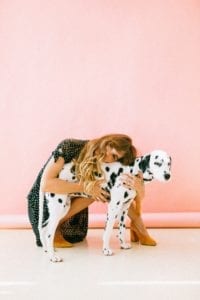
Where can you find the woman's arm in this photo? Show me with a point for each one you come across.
(50, 182)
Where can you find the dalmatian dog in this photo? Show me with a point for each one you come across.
(154, 165)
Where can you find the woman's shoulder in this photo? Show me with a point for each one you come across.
(69, 144)
(72, 142)
(69, 149)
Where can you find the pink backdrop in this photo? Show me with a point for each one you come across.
(86, 68)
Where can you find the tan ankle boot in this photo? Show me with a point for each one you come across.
(138, 231)
(139, 234)
(59, 241)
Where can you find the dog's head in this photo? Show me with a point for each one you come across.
(156, 165)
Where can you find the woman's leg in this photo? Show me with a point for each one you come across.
(77, 204)
(138, 230)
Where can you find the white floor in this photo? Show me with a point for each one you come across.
(171, 270)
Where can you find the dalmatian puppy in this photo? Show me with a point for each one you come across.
(154, 165)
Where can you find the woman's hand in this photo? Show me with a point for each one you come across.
(95, 190)
(134, 182)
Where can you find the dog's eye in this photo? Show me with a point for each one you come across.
(158, 164)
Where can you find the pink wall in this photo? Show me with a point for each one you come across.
(86, 68)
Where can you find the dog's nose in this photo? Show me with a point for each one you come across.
(167, 176)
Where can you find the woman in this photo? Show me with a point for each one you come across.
(87, 156)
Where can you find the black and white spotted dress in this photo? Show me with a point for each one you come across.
(75, 228)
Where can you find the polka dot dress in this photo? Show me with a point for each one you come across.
(74, 229)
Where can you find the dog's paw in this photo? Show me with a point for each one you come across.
(125, 246)
(107, 252)
(56, 258)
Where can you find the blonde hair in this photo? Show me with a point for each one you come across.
(88, 164)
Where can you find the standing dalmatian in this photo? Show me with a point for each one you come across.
(155, 165)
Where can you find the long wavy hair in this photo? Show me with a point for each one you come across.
(88, 164)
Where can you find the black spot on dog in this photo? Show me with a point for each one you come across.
(52, 194)
(112, 181)
(120, 171)
(109, 185)
(45, 224)
(72, 170)
(125, 194)
(73, 177)
(127, 201)
(60, 200)
(107, 169)
(144, 163)
(149, 172)
(113, 177)
(167, 176)
(118, 203)
(49, 236)
(159, 164)
(122, 218)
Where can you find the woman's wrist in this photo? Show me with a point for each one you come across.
(80, 187)
(140, 193)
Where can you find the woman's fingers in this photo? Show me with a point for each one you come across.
(131, 181)
(99, 193)
(128, 180)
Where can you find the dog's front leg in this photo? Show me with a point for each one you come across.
(50, 233)
(112, 214)
(57, 210)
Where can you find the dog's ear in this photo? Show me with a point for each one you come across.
(144, 163)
